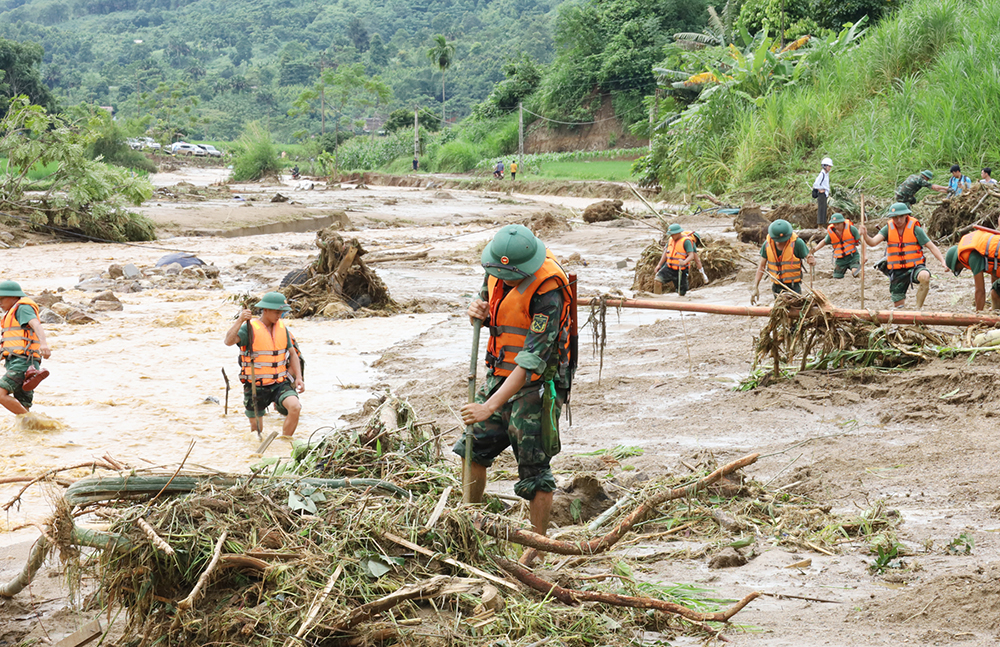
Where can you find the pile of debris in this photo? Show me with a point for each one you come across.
(359, 537)
(603, 211)
(802, 326)
(339, 282)
(719, 257)
(546, 224)
(978, 205)
(187, 192)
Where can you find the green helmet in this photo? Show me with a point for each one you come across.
(837, 218)
(513, 254)
(927, 174)
(675, 229)
(899, 209)
(273, 301)
(780, 231)
(951, 260)
(11, 289)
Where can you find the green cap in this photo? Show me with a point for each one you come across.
(899, 209)
(273, 301)
(675, 229)
(780, 231)
(11, 289)
(513, 254)
(837, 218)
(927, 174)
(951, 260)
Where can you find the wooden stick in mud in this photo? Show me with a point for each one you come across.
(573, 597)
(225, 377)
(600, 544)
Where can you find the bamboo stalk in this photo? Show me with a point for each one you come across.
(316, 606)
(153, 537)
(864, 248)
(907, 317)
(188, 602)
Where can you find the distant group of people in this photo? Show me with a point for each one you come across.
(498, 170)
(783, 252)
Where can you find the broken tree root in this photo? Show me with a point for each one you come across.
(435, 587)
(499, 530)
(574, 596)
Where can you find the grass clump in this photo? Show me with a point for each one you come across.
(255, 156)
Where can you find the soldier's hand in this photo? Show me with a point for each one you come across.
(478, 309)
(246, 315)
(811, 259)
(474, 412)
(45, 351)
(300, 385)
(754, 295)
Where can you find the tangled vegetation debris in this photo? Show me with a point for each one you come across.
(338, 282)
(719, 257)
(977, 205)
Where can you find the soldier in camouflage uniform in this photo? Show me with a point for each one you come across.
(907, 191)
(525, 301)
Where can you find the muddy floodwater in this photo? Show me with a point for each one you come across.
(144, 386)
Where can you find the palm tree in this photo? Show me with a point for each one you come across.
(441, 55)
(719, 31)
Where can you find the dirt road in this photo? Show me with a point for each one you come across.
(139, 383)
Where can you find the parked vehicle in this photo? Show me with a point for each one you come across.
(142, 143)
(184, 148)
(212, 151)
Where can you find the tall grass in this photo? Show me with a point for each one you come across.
(922, 90)
(255, 156)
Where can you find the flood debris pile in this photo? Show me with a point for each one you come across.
(187, 192)
(720, 258)
(603, 211)
(548, 223)
(978, 205)
(298, 553)
(802, 326)
(339, 282)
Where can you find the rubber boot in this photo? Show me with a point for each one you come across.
(922, 294)
(657, 287)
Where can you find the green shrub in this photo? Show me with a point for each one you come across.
(255, 155)
(457, 156)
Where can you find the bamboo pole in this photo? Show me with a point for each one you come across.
(864, 249)
(909, 317)
(477, 325)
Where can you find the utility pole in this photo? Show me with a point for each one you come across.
(416, 133)
(520, 134)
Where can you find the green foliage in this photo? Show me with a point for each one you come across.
(255, 156)
(109, 143)
(82, 193)
(522, 78)
(457, 156)
(171, 108)
(833, 15)
(19, 75)
(962, 545)
(403, 118)
(887, 555)
(366, 153)
(757, 15)
(607, 47)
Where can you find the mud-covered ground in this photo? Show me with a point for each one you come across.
(922, 441)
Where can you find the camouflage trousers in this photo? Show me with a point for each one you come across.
(518, 425)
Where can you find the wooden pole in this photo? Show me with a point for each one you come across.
(477, 325)
(416, 133)
(864, 246)
(907, 317)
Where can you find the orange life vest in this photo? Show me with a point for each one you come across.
(510, 317)
(676, 256)
(986, 244)
(269, 354)
(843, 247)
(904, 251)
(20, 339)
(786, 267)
